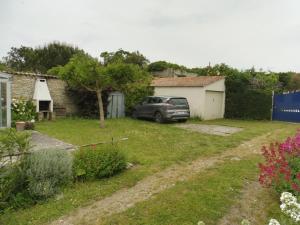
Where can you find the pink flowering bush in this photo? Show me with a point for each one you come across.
(281, 168)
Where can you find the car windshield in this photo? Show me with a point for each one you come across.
(178, 101)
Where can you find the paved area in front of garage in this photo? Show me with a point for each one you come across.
(210, 129)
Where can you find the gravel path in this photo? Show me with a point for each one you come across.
(154, 184)
(42, 141)
(210, 129)
(250, 206)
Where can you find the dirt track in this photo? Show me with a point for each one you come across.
(143, 190)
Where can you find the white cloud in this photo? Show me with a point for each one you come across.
(260, 33)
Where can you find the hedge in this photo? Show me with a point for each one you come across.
(248, 104)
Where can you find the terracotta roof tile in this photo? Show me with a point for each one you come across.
(200, 81)
(29, 74)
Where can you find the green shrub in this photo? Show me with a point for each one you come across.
(244, 100)
(11, 183)
(13, 148)
(21, 200)
(163, 65)
(157, 66)
(249, 104)
(13, 144)
(23, 110)
(135, 94)
(46, 171)
(98, 163)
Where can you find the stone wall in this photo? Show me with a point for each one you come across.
(23, 87)
(60, 96)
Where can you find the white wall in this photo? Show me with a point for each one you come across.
(197, 97)
(218, 86)
(194, 95)
(213, 105)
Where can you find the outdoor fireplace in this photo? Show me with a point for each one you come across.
(44, 102)
(44, 106)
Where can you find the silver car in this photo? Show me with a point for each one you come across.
(162, 109)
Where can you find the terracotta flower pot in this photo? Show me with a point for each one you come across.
(20, 126)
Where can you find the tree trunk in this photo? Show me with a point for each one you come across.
(101, 111)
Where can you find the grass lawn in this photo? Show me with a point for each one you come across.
(207, 197)
(152, 147)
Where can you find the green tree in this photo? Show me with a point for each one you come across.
(84, 71)
(163, 65)
(216, 70)
(122, 56)
(54, 54)
(265, 81)
(157, 66)
(294, 83)
(128, 71)
(285, 80)
(21, 59)
(132, 80)
(3, 67)
(40, 59)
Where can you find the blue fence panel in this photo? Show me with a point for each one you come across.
(286, 107)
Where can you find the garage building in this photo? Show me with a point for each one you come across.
(205, 94)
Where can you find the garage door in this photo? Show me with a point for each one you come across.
(213, 105)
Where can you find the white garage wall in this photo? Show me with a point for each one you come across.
(213, 105)
(197, 97)
(218, 86)
(194, 95)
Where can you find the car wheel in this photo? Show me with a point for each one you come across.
(134, 114)
(158, 117)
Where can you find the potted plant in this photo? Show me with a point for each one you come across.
(20, 125)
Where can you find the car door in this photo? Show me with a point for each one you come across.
(153, 106)
(148, 107)
(141, 107)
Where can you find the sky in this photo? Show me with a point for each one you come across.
(241, 33)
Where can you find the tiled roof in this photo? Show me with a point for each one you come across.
(200, 81)
(29, 74)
